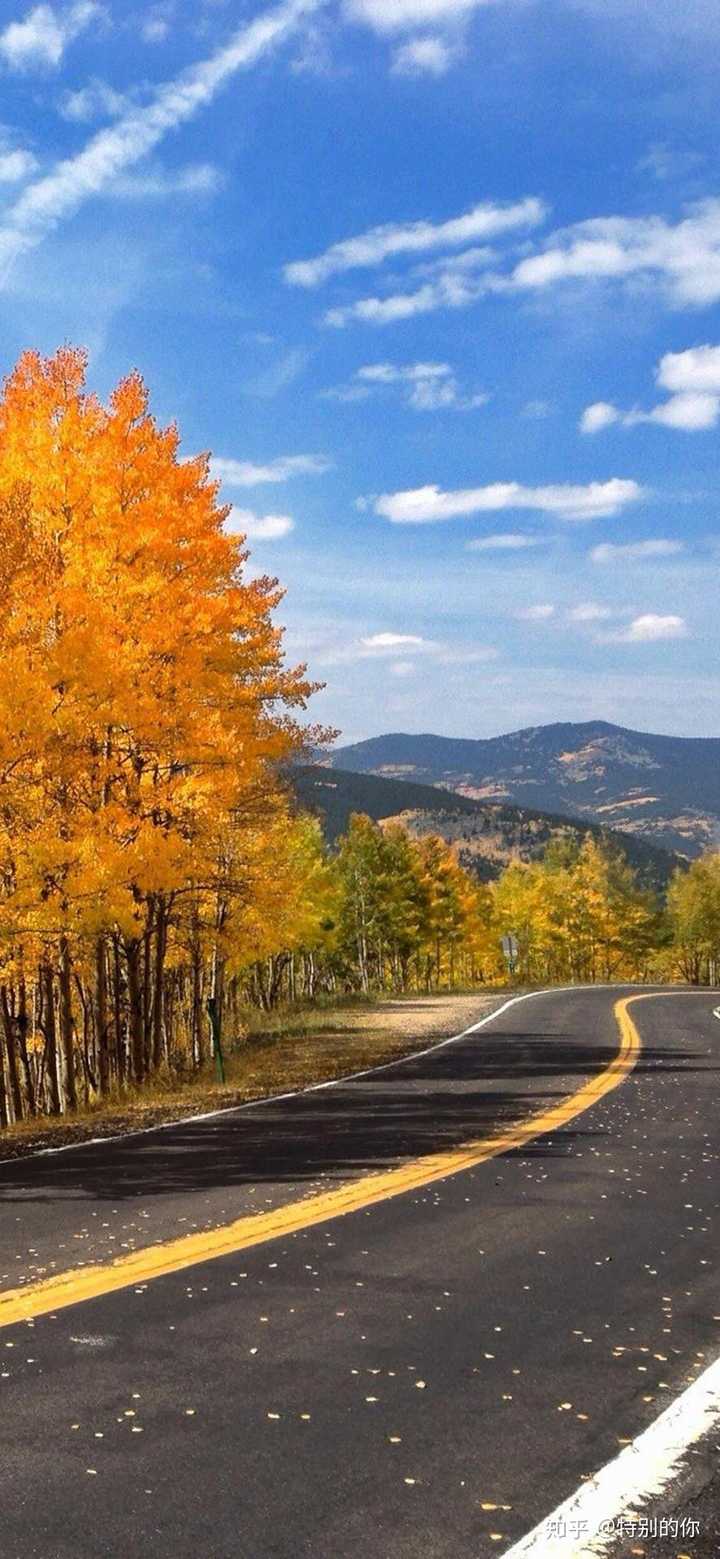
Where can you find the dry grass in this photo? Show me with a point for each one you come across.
(286, 1050)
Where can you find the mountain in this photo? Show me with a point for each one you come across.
(488, 834)
(663, 789)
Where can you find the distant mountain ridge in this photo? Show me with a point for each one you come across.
(664, 789)
(488, 835)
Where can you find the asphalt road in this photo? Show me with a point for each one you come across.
(425, 1379)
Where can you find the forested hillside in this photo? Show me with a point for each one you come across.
(488, 835)
(663, 789)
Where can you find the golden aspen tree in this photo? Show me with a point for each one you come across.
(144, 706)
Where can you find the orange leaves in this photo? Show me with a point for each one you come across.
(143, 696)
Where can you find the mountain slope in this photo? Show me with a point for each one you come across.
(664, 789)
(489, 834)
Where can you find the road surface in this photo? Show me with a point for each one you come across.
(424, 1378)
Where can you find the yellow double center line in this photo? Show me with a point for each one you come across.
(155, 1261)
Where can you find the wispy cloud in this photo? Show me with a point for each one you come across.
(111, 152)
(635, 551)
(425, 56)
(155, 25)
(199, 178)
(666, 162)
(542, 613)
(392, 641)
(245, 473)
(40, 40)
(388, 16)
(681, 261)
(16, 165)
(505, 541)
(260, 527)
(424, 386)
(412, 648)
(589, 612)
(426, 505)
(451, 282)
(650, 628)
(682, 258)
(381, 243)
(96, 100)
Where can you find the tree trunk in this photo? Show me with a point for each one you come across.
(102, 1016)
(12, 1066)
(146, 997)
(22, 1043)
(158, 1003)
(117, 1012)
(51, 1049)
(196, 1014)
(135, 1003)
(66, 1025)
(4, 1120)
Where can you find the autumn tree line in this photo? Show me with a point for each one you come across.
(155, 874)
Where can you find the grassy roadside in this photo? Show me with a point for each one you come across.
(285, 1050)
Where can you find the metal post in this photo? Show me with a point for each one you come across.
(214, 1015)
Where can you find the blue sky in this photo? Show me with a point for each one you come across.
(438, 284)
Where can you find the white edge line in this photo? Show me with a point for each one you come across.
(335, 1082)
(315, 1087)
(586, 1524)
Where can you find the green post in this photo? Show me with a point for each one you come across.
(213, 1008)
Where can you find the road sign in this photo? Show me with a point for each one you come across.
(510, 948)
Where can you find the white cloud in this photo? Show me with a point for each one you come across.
(425, 505)
(111, 152)
(696, 370)
(401, 305)
(380, 243)
(506, 541)
(41, 39)
(682, 259)
(425, 56)
(589, 612)
(598, 416)
(260, 527)
(402, 668)
(635, 551)
(393, 649)
(388, 16)
(245, 473)
(650, 628)
(392, 641)
(97, 100)
(693, 377)
(16, 165)
(455, 282)
(536, 614)
(425, 386)
(691, 413)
